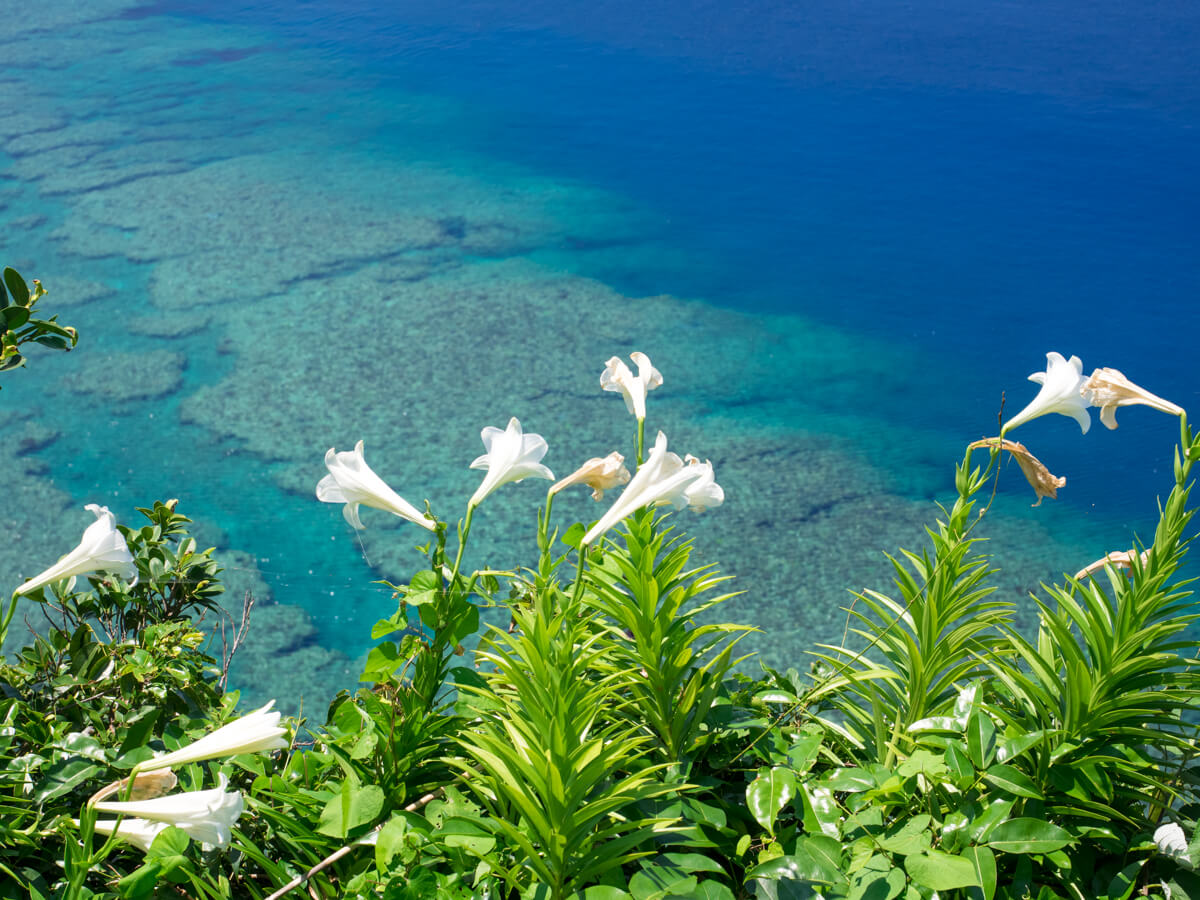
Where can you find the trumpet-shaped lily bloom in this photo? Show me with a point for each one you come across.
(511, 456)
(139, 832)
(617, 377)
(600, 474)
(252, 733)
(1043, 483)
(205, 816)
(353, 482)
(1061, 393)
(662, 478)
(102, 549)
(1109, 388)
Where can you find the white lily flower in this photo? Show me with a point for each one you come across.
(1171, 841)
(353, 482)
(252, 733)
(205, 816)
(102, 549)
(617, 377)
(662, 478)
(1109, 388)
(139, 832)
(511, 456)
(600, 474)
(1061, 393)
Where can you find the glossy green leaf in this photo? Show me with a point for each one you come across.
(767, 794)
(352, 807)
(1012, 780)
(981, 739)
(940, 871)
(1028, 836)
(984, 861)
(16, 286)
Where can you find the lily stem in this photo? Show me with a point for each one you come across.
(463, 531)
(641, 439)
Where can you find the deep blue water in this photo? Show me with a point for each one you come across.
(984, 183)
(971, 185)
(989, 181)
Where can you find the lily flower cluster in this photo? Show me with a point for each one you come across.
(512, 456)
(1065, 391)
(206, 816)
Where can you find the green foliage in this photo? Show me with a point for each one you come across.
(605, 747)
(18, 327)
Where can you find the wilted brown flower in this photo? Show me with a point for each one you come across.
(600, 474)
(1120, 559)
(1043, 483)
(1109, 388)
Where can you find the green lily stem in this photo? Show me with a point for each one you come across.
(8, 617)
(641, 439)
(543, 541)
(463, 531)
(578, 592)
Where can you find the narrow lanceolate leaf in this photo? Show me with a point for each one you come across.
(981, 739)
(1012, 780)
(769, 793)
(1028, 836)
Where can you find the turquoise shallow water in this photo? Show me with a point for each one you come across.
(279, 231)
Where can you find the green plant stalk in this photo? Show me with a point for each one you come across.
(464, 531)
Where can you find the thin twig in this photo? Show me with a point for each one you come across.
(227, 651)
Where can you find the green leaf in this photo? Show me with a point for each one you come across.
(981, 739)
(390, 843)
(984, 861)
(383, 628)
(466, 834)
(168, 849)
(693, 862)
(711, 890)
(139, 725)
(1122, 885)
(958, 762)
(14, 317)
(996, 812)
(1028, 836)
(803, 752)
(767, 794)
(573, 536)
(819, 858)
(64, 776)
(604, 892)
(140, 882)
(16, 286)
(849, 781)
(353, 807)
(1012, 780)
(910, 837)
(941, 871)
(382, 661)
